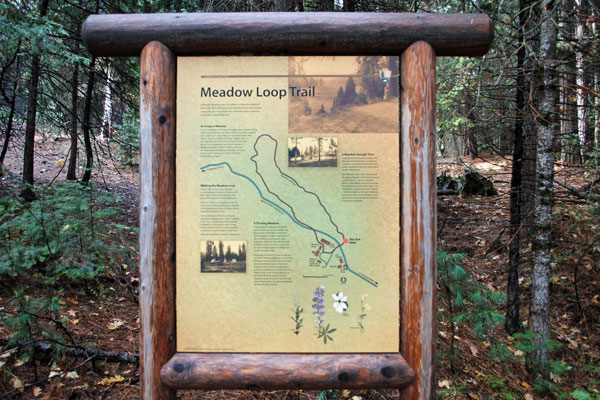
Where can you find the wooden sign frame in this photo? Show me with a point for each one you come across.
(160, 38)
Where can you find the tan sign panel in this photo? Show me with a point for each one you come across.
(287, 204)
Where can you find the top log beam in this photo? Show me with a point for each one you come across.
(280, 33)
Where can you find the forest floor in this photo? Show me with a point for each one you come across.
(105, 315)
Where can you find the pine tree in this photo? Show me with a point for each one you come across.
(350, 91)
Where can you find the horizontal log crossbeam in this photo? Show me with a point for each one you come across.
(311, 33)
(207, 371)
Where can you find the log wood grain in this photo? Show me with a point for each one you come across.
(157, 217)
(418, 218)
(279, 33)
(286, 371)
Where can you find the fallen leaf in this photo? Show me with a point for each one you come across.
(72, 313)
(2, 363)
(528, 396)
(16, 383)
(473, 349)
(115, 324)
(72, 375)
(111, 380)
(7, 354)
(525, 385)
(36, 391)
(473, 396)
(519, 353)
(74, 321)
(72, 301)
(20, 362)
(55, 373)
(444, 384)
(345, 393)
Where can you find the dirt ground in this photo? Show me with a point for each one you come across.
(476, 226)
(379, 117)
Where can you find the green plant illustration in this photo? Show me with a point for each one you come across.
(364, 307)
(325, 333)
(297, 313)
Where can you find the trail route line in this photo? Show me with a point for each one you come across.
(292, 215)
(253, 159)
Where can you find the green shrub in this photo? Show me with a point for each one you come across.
(63, 234)
(67, 235)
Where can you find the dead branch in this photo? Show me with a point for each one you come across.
(444, 192)
(90, 352)
(577, 192)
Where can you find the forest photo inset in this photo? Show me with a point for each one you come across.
(312, 152)
(343, 95)
(223, 256)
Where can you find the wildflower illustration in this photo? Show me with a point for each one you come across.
(364, 307)
(317, 305)
(323, 332)
(340, 302)
(296, 316)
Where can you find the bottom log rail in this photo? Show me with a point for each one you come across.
(207, 371)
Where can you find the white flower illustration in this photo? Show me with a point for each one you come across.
(341, 302)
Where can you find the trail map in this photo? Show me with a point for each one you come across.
(287, 204)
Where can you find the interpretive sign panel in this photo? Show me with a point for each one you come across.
(287, 194)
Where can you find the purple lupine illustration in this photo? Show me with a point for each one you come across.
(319, 314)
(318, 306)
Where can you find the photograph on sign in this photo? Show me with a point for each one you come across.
(343, 95)
(287, 199)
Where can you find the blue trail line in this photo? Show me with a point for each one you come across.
(289, 215)
(329, 259)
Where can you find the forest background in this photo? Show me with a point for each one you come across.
(518, 286)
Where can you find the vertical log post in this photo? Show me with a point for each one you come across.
(418, 218)
(157, 217)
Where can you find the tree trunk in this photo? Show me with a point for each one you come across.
(596, 85)
(31, 117)
(529, 140)
(72, 170)
(472, 145)
(11, 113)
(87, 116)
(571, 150)
(394, 81)
(107, 115)
(349, 6)
(584, 128)
(540, 302)
(512, 321)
